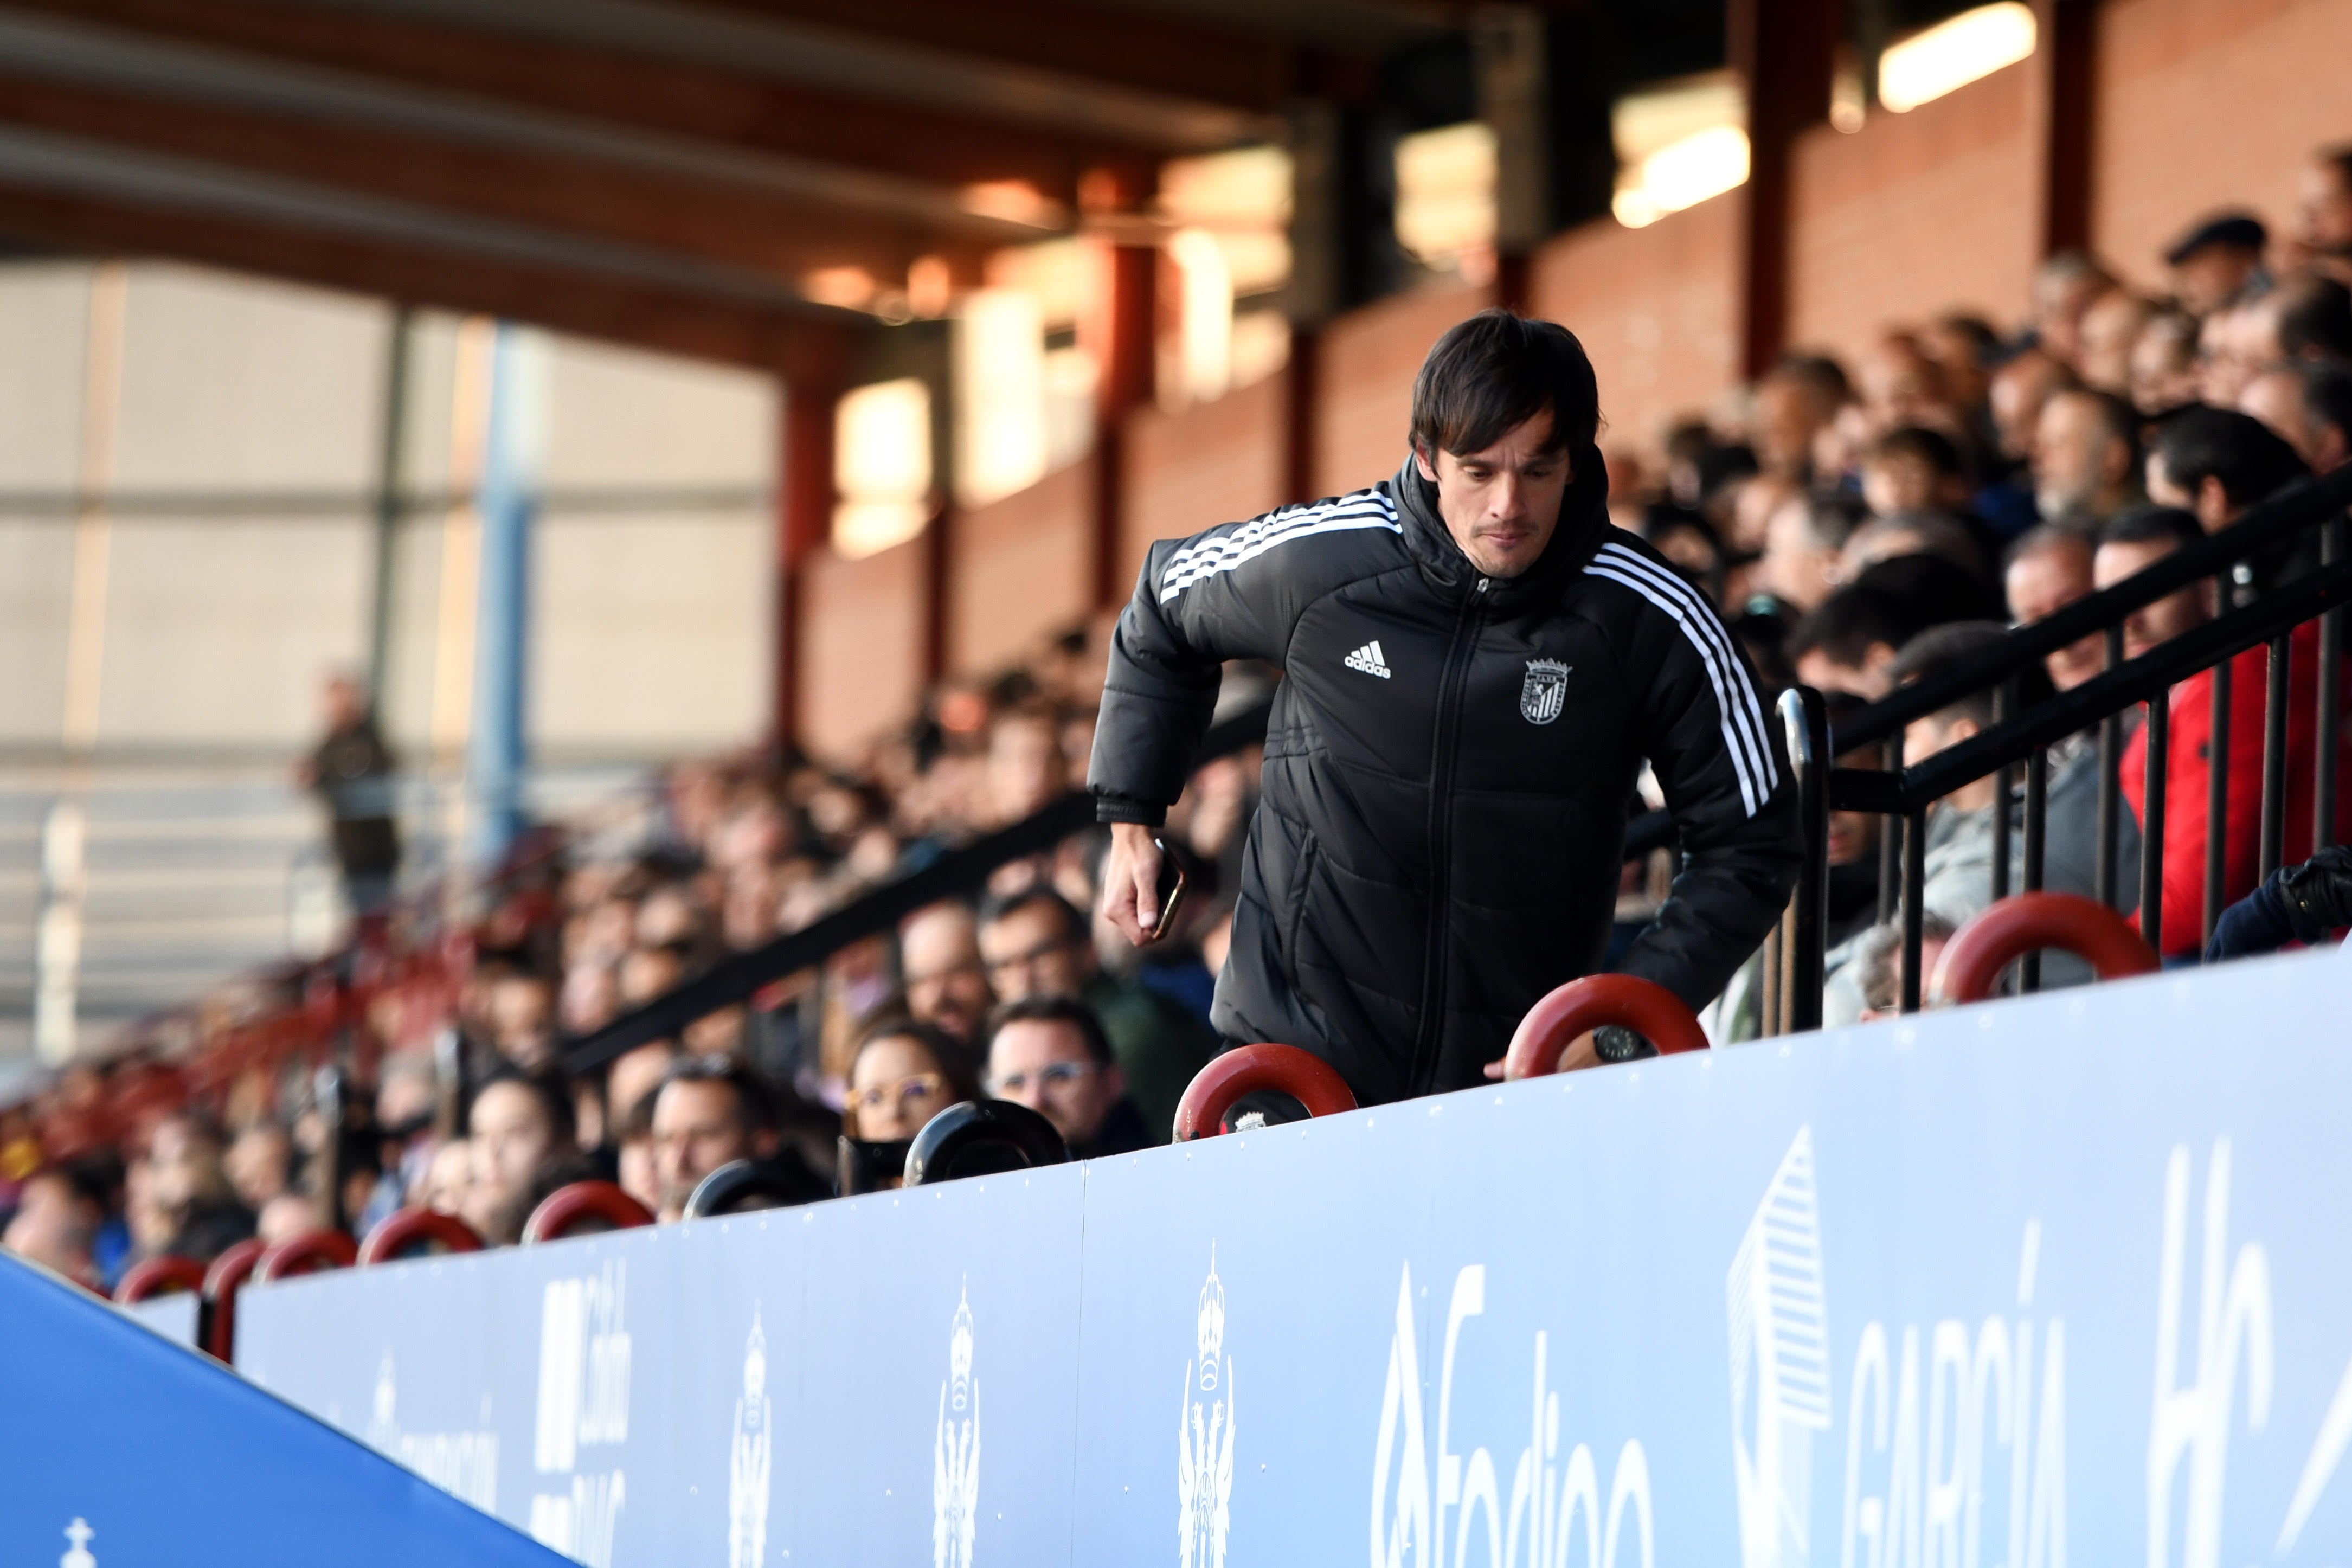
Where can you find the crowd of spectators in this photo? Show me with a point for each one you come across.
(1861, 524)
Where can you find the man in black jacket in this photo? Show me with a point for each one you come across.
(1476, 663)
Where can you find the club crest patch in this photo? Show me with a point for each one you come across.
(1544, 691)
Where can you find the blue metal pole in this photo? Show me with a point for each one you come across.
(497, 753)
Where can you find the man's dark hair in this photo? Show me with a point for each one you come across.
(1933, 447)
(2202, 442)
(2155, 524)
(1849, 623)
(1073, 924)
(1958, 646)
(1051, 1010)
(554, 1097)
(1981, 334)
(1490, 374)
(1932, 586)
(2328, 396)
(1832, 516)
(2314, 317)
(755, 1107)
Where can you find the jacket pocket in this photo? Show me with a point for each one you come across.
(1294, 905)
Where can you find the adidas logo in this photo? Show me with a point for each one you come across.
(1368, 659)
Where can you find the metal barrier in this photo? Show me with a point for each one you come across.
(158, 1277)
(1647, 1008)
(2025, 923)
(567, 1208)
(1255, 1070)
(223, 1280)
(410, 1227)
(740, 1186)
(307, 1253)
(981, 1137)
(2023, 736)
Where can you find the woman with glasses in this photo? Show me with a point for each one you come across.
(904, 1074)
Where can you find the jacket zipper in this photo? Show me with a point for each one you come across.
(1430, 1037)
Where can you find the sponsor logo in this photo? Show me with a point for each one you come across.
(1368, 660)
(1416, 1492)
(1544, 691)
(955, 1452)
(1205, 1437)
(464, 1463)
(1780, 1364)
(750, 1455)
(584, 1406)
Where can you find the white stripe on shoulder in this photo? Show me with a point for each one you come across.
(1752, 722)
(1734, 742)
(1221, 552)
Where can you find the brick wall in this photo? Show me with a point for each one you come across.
(861, 647)
(1214, 462)
(1656, 308)
(1020, 571)
(1370, 358)
(2204, 104)
(1912, 214)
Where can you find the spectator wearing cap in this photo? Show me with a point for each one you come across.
(2131, 544)
(2085, 457)
(2217, 262)
(708, 1111)
(1049, 1053)
(1035, 944)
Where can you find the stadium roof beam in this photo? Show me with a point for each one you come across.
(73, 194)
(781, 233)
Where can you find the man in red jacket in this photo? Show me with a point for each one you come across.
(2131, 543)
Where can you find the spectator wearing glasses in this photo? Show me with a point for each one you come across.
(1035, 944)
(904, 1074)
(1050, 1053)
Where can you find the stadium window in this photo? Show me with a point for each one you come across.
(1952, 54)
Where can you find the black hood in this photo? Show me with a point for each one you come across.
(1583, 519)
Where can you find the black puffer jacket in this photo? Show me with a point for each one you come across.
(1447, 770)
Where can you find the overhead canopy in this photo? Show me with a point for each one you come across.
(654, 171)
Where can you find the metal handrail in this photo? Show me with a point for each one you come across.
(158, 1276)
(568, 1205)
(308, 1252)
(408, 1226)
(223, 1280)
(2307, 504)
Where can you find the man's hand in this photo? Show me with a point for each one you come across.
(1131, 881)
(1582, 1053)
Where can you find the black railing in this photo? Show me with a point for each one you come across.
(2022, 738)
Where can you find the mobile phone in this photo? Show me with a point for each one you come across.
(1170, 891)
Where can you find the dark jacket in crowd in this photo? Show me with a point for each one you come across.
(351, 770)
(1447, 769)
(1123, 1132)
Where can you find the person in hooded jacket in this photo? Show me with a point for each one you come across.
(1475, 667)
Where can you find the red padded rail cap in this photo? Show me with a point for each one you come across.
(566, 1207)
(307, 1253)
(410, 1225)
(1249, 1068)
(2028, 923)
(1647, 1008)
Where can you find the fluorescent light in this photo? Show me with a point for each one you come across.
(1683, 175)
(1950, 55)
(1445, 192)
(882, 466)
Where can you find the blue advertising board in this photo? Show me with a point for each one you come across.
(2053, 1278)
(122, 1448)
